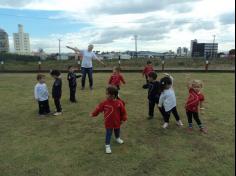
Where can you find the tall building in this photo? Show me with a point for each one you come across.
(182, 51)
(21, 41)
(206, 50)
(4, 42)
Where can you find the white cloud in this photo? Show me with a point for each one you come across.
(160, 25)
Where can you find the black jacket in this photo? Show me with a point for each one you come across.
(56, 88)
(154, 90)
(71, 77)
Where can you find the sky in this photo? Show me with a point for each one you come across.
(160, 25)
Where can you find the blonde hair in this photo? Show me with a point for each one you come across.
(197, 83)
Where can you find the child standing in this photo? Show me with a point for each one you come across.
(114, 113)
(41, 95)
(167, 101)
(194, 103)
(71, 77)
(147, 69)
(154, 90)
(116, 78)
(56, 91)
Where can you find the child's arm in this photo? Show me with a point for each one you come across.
(110, 80)
(98, 110)
(161, 100)
(122, 79)
(36, 94)
(123, 113)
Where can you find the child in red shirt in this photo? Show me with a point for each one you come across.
(194, 103)
(116, 78)
(114, 113)
(148, 69)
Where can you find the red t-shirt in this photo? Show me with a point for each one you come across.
(193, 100)
(116, 79)
(148, 69)
(114, 112)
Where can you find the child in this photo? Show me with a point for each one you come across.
(114, 113)
(71, 77)
(147, 69)
(167, 101)
(116, 78)
(56, 91)
(194, 101)
(41, 95)
(154, 90)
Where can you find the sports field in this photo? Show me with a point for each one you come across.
(73, 144)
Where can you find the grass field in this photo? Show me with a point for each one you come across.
(73, 144)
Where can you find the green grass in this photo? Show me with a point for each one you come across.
(73, 144)
(220, 63)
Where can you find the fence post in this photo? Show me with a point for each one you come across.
(163, 65)
(2, 65)
(39, 65)
(119, 61)
(206, 65)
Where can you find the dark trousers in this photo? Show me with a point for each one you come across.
(151, 107)
(86, 71)
(58, 104)
(146, 79)
(109, 134)
(43, 107)
(194, 115)
(166, 115)
(72, 94)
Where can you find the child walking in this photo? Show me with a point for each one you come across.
(114, 114)
(154, 91)
(41, 95)
(147, 69)
(56, 91)
(194, 103)
(71, 77)
(167, 101)
(116, 78)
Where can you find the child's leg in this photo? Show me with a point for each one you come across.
(146, 79)
(58, 104)
(196, 118)
(41, 109)
(72, 94)
(175, 113)
(108, 136)
(166, 116)
(151, 108)
(46, 107)
(117, 133)
(162, 111)
(190, 119)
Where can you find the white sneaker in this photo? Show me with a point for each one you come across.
(119, 141)
(108, 149)
(165, 125)
(57, 113)
(179, 123)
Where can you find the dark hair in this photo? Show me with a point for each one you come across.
(152, 75)
(149, 62)
(55, 73)
(112, 91)
(69, 67)
(165, 82)
(40, 76)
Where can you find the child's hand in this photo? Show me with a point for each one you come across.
(91, 115)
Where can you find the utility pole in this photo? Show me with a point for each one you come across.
(59, 54)
(136, 45)
(213, 47)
